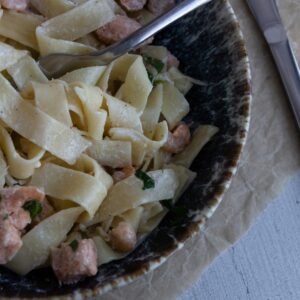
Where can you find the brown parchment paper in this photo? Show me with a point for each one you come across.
(271, 156)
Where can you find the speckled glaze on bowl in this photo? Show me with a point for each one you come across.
(210, 47)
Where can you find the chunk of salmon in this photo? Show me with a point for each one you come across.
(71, 265)
(178, 140)
(133, 5)
(158, 7)
(16, 197)
(119, 28)
(123, 237)
(13, 218)
(172, 61)
(10, 240)
(19, 5)
(122, 174)
(12, 201)
(20, 219)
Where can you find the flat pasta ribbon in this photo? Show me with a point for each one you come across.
(3, 170)
(132, 193)
(88, 75)
(200, 138)
(67, 184)
(38, 241)
(51, 98)
(38, 127)
(59, 33)
(20, 27)
(9, 55)
(19, 167)
(94, 117)
(52, 8)
(175, 106)
(141, 145)
(122, 114)
(26, 71)
(114, 154)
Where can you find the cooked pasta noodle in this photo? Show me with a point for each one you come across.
(89, 75)
(58, 34)
(25, 72)
(105, 253)
(114, 154)
(175, 106)
(67, 184)
(152, 111)
(52, 8)
(20, 27)
(133, 194)
(9, 56)
(38, 241)
(201, 136)
(3, 170)
(122, 114)
(20, 167)
(51, 99)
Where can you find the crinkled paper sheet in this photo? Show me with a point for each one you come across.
(271, 156)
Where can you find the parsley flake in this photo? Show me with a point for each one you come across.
(34, 207)
(150, 76)
(154, 62)
(149, 183)
(5, 217)
(157, 82)
(74, 245)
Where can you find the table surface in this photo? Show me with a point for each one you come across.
(265, 263)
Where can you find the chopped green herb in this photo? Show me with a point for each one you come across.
(150, 76)
(5, 217)
(154, 62)
(157, 82)
(149, 183)
(168, 203)
(74, 245)
(34, 207)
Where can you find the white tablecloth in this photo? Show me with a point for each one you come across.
(264, 264)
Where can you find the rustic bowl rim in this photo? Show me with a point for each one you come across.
(205, 214)
(155, 263)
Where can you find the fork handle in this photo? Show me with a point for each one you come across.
(55, 65)
(147, 31)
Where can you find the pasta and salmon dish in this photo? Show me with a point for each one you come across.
(91, 162)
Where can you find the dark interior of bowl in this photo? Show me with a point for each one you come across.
(210, 49)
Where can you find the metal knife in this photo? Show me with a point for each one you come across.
(268, 18)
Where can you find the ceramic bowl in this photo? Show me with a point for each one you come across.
(210, 46)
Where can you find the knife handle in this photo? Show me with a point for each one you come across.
(266, 13)
(268, 18)
(289, 71)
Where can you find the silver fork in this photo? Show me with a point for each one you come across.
(55, 65)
